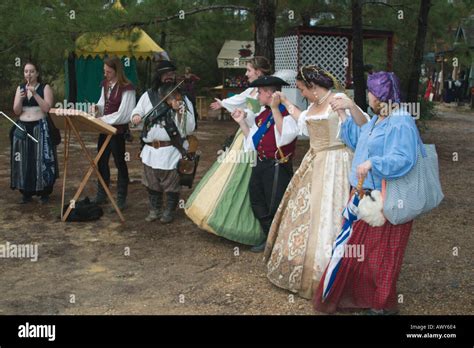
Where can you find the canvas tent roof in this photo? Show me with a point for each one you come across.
(119, 44)
(129, 43)
(235, 54)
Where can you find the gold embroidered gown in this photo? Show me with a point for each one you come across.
(309, 217)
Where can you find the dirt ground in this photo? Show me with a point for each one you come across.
(178, 269)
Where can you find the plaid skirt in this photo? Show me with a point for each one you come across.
(370, 282)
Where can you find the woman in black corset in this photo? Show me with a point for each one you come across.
(33, 165)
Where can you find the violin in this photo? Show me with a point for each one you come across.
(176, 102)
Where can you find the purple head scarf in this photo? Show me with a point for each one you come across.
(385, 86)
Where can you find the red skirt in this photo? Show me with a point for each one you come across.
(370, 282)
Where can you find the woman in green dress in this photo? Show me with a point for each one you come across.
(220, 203)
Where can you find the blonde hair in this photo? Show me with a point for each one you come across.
(261, 63)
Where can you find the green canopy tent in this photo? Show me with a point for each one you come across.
(85, 71)
(89, 74)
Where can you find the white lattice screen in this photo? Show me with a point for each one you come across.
(327, 52)
(286, 55)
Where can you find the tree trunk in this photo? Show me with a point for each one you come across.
(265, 19)
(306, 19)
(163, 39)
(413, 82)
(358, 55)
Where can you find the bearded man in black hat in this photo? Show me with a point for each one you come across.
(159, 154)
(275, 151)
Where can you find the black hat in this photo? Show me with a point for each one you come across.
(165, 65)
(265, 81)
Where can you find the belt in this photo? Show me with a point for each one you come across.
(159, 143)
(262, 157)
(330, 148)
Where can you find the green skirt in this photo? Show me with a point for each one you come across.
(220, 204)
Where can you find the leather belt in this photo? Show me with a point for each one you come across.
(159, 143)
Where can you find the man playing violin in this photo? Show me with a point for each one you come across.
(159, 155)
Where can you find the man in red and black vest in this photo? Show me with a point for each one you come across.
(274, 167)
(115, 106)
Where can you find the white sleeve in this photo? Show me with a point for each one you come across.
(347, 112)
(142, 106)
(289, 131)
(248, 141)
(303, 129)
(190, 120)
(250, 117)
(100, 103)
(236, 101)
(122, 115)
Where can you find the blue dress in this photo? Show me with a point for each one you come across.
(390, 145)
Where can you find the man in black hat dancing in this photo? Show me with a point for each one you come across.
(275, 150)
(159, 155)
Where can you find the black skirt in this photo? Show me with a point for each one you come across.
(34, 166)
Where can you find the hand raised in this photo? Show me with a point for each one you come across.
(341, 103)
(276, 100)
(216, 105)
(238, 115)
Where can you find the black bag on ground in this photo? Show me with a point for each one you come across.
(84, 210)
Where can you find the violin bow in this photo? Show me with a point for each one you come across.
(162, 100)
(19, 127)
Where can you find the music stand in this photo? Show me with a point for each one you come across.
(77, 120)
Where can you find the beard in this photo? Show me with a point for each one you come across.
(169, 79)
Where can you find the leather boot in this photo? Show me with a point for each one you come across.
(122, 189)
(172, 201)
(156, 205)
(101, 196)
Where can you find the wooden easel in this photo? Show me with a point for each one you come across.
(75, 121)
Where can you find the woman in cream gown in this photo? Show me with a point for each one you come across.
(309, 217)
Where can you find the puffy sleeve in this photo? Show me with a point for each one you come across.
(289, 131)
(400, 149)
(236, 101)
(303, 129)
(350, 132)
(142, 106)
(100, 103)
(248, 141)
(190, 120)
(250, 117)
(122, 115)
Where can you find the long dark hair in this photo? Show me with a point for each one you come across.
(37, 68)
(115, 63)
